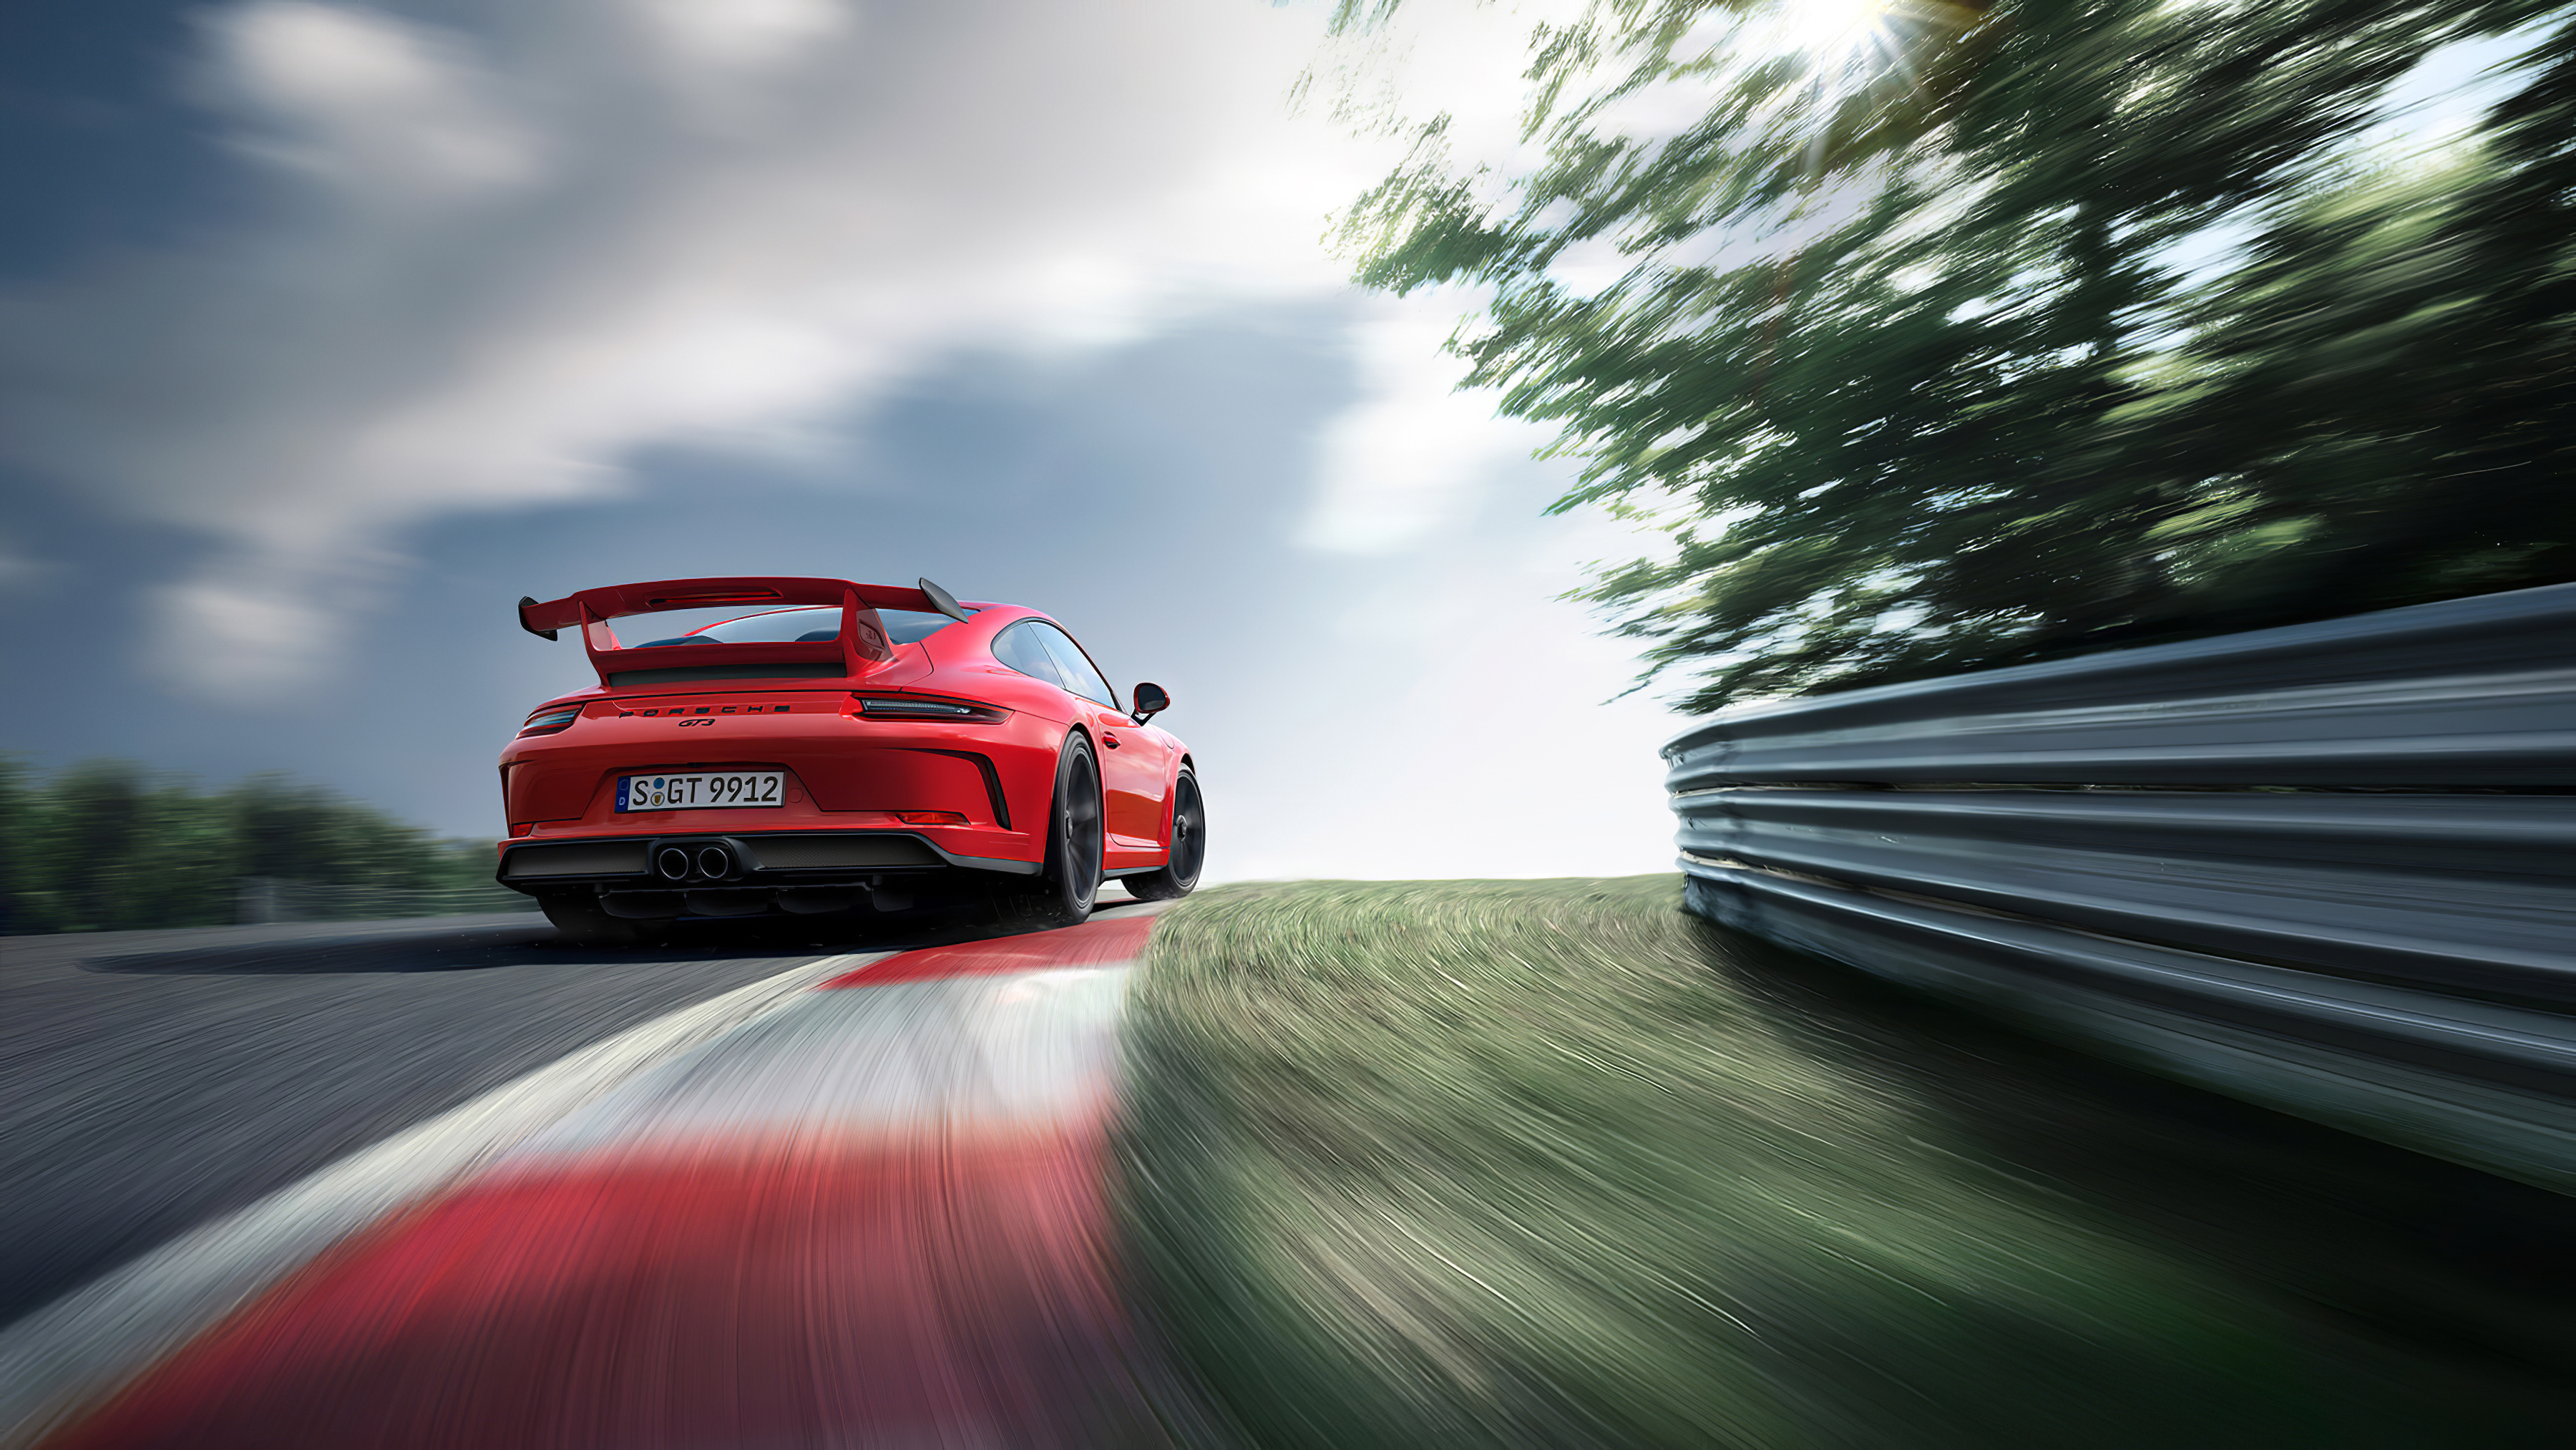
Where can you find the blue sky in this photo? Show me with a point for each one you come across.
(328, 330)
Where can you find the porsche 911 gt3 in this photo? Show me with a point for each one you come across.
(838, 749)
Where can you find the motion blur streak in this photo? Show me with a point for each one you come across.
(1094, 943)
(876, 1217)
(762, 1298)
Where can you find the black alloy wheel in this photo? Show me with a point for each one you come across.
(1189, 846)
(1063, 896)
(584, 922)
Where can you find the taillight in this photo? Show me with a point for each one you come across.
(547, 722)
(910, 708)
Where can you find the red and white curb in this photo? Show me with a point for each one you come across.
(860, 1203)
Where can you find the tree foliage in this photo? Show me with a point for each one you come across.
(106, 845)
(1911, 365)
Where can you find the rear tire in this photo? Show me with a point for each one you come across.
(584, 922)
(1063, 894)
(1188, 846)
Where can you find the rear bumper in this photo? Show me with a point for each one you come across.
(794, 871)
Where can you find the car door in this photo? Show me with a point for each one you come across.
(1133, 762)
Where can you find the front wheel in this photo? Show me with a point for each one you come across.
(1189, 846)
(1063, 895)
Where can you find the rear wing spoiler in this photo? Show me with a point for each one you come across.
(860, 646)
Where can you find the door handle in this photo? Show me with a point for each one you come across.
(1109, 740)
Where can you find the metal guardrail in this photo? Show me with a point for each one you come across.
(2331, 867)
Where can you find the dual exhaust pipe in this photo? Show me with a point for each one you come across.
(710, 861)
(706, 877)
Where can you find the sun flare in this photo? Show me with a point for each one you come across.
(1833, 33)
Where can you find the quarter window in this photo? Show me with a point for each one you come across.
(1020, 648)
(1080, 675)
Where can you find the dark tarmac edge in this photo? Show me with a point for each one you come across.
(1551, 1162)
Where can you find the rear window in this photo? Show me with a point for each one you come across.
(775, 626)
(819, 622)
(909, 626)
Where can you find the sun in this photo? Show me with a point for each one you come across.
(1835, 34)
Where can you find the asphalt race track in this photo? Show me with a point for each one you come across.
(457, 1183)
(152, 1081)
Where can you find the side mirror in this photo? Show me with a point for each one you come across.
(1150, 702)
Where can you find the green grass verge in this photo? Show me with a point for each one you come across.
(1450, 1163)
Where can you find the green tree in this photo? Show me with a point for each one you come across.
(306, 833)
(92, 830)
(1905, 368)
(105, 845)
(17, 858)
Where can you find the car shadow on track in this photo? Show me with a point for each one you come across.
(477, 949)
(484, 947)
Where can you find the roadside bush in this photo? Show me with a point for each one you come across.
(108, 845)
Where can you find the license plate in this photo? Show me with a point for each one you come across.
(701, 791)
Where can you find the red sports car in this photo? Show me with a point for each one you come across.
(841, 748)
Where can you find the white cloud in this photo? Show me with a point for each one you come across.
(1467, 735)
(501, 261)
(377, 111)
(1406, 461)
(742, 38)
